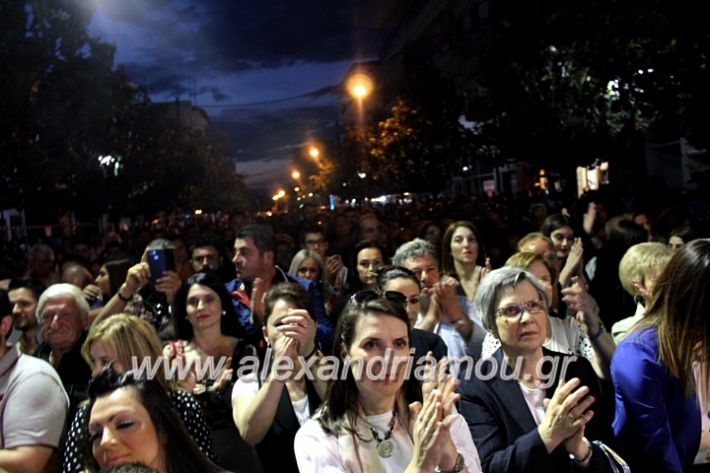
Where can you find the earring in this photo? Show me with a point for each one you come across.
(224, 312)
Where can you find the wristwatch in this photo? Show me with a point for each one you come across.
(458, 466)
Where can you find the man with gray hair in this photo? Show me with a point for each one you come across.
(444, 312)
(63, 313)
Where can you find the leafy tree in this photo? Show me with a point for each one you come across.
(76, 134)
(567, 82)
(418, 145)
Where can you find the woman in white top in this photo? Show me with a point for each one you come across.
(372, 419)
(268, 412)
(582, 334)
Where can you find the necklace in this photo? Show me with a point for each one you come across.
(385, 445)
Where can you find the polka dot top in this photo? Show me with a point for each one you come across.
(186, 406)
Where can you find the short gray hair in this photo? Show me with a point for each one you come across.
(490, 288)
(65, 291)
(416, 248)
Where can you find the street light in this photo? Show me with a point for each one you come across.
(296, 175)
(313, 151)
(360, 85)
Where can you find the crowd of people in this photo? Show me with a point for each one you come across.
(294, 342)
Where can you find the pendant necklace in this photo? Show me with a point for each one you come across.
(385, 445)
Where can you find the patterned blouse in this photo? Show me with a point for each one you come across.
(186, 406)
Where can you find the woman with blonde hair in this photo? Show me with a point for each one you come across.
(639, 270)
(657, 420)
(125, 340)
(307, 264)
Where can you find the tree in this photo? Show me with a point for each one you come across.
(418, 144)
(76, 134)
(567, 82)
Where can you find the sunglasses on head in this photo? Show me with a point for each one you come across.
(362, 297)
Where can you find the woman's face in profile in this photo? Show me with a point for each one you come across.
(122, 431)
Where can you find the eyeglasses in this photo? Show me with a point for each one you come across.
(361, 297)
(514, 311)
(319, 242)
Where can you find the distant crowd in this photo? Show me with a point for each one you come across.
(127, 349)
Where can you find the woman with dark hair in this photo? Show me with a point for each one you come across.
(400, 280)
(106, 284)
(463, 256)
(369, 258)
(570, 252)
(132, 420)
(372, 419)
(605, 285)
(657, 417)
(209, 334)
(268, 412)
(118, 340)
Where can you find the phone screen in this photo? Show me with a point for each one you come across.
(160, 261)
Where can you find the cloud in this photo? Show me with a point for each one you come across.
(228, 35)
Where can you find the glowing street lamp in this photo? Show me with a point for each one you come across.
(296, 175)
(360, 85)
(313, 152)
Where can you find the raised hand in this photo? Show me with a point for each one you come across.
(258, 291)
(301, 327)
(565, 413)
(169, 284)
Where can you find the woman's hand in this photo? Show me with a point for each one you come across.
(432, 441)
(573, 265)
(224, 377)
(577, 446)
(565, 414)
(582, 304)
(92, 292)
(137, 276)
(300, 326)
(284, 347)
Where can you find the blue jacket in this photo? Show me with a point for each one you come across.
(658, 427)
(324, 332)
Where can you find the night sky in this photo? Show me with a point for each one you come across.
(252, 65)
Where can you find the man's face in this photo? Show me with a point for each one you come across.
(372, 229)
(317, 242)
(248, 261)
(426, 269)
(24, 306)
(61, 323)
(205, 257)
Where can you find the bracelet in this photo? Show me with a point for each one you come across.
(125, 300)
(599, 333)
(458, 466)
(587, 456)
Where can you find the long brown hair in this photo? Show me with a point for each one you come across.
(679, 309)
(339, 411)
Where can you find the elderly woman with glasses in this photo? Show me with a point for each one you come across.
(372, 419)
(528, 408)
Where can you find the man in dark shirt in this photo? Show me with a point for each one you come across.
(63, 312)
